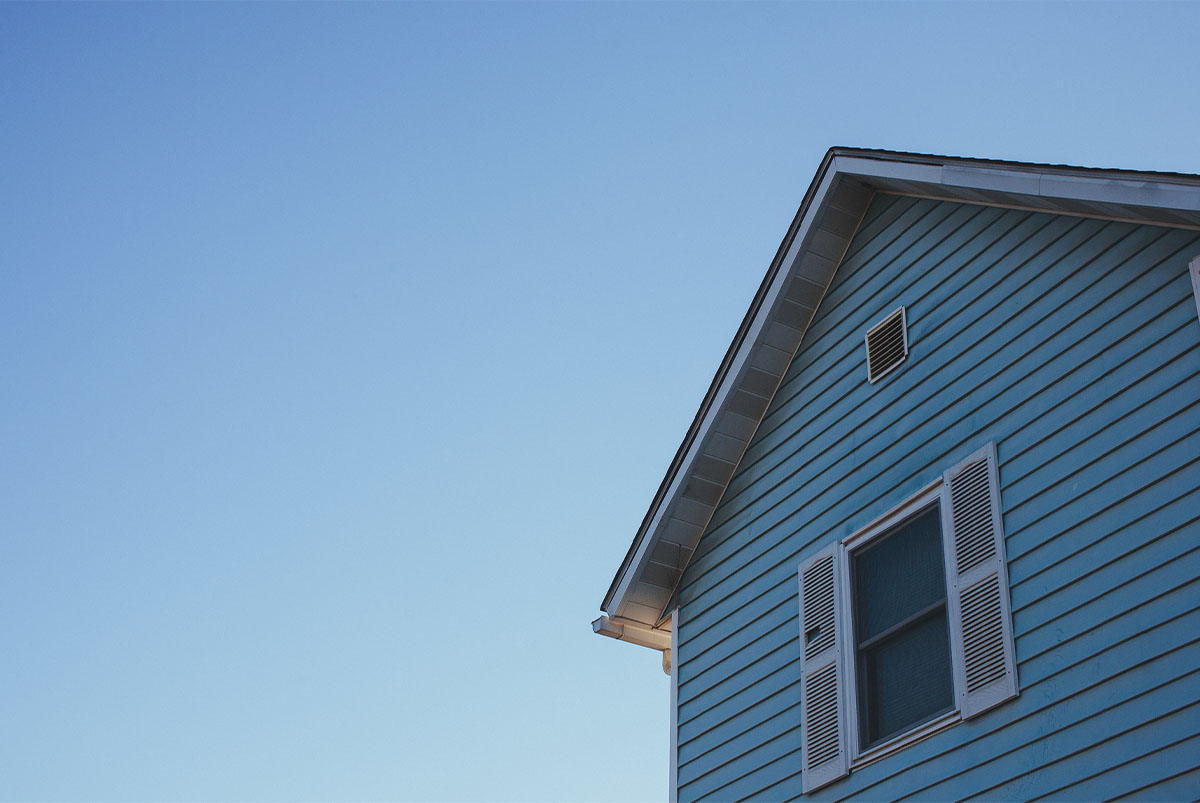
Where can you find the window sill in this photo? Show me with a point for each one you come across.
(902, 741)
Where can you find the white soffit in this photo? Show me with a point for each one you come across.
(792, 290)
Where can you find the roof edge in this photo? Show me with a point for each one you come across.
(721, 373)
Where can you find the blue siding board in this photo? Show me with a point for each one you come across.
(749, 622)
(759, 647)
(1181, 786)
(780, 656)
(1095, 554)
(1122, 777)
(1056, 758)
(782, 751)
(1175, 547)
(1069, 505)
(1084, 616)
(710, 741)
(1074, 500)
(1073, 343)
(775, 727)
(749, 783)
(753, 691)
(1065, 652)
(1028, 554)
(1136, 405)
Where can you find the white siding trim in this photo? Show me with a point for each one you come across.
(673, 781)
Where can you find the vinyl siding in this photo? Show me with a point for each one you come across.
(1074, 344)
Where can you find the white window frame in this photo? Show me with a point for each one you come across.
(856, 755)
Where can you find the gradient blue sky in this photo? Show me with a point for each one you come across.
(344, 346)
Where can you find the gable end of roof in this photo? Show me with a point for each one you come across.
(792, 290)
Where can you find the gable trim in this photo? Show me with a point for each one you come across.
(723, 387)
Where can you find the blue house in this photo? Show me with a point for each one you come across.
(934, 532)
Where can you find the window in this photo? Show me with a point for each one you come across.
(901, 633)
(905, 624)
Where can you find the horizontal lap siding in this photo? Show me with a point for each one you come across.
(1071, 342)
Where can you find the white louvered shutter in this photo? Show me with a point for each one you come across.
(980, 613)
(822, 674)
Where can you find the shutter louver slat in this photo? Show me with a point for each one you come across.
(980, 614)
(822, 707)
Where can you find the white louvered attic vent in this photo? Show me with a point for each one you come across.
(887, 345)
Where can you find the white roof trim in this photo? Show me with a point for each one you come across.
(728, 383)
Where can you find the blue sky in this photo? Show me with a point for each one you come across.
(344, 346)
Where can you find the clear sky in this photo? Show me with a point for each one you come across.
(343, 347)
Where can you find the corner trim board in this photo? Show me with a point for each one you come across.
(673, 781)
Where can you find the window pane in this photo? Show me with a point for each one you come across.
(898, 574)
(905, 678)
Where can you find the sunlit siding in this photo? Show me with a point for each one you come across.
(1074, 344)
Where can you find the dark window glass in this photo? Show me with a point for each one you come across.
(900, 628)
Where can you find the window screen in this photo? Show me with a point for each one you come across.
(901, 633)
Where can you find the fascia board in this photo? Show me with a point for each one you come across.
(1059, 184)
(1117, 190)
(918, 172)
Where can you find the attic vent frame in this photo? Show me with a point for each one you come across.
(887, 345)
